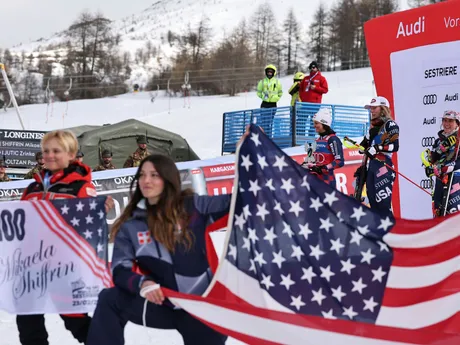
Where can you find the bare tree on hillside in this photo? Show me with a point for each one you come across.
(261, 31)
(199, 40)
(291, 30)
(318, 35)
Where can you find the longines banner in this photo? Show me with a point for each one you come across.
(18, 148)
(416, 65)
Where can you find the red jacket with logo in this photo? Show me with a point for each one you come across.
(72, 182)
(307, 94)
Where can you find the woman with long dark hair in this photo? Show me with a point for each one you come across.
(159, 240)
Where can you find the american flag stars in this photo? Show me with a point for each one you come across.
(87, 217)
(306, 244)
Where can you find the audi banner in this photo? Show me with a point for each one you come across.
(418, 71)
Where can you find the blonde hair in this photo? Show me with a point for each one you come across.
(66, 139)
(386, 112)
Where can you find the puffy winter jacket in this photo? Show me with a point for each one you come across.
(185, 271)
(294, 92)
(72, 182)
(270, 90)
(307, 94)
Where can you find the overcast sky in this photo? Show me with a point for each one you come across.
(28, 20)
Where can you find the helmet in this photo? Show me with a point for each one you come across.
(141, 139)
(299, 76)
(451, 114)
(106, 154)
(323, 116)
(38, 155)
(80, 154)
(272, 67)
(3, 164)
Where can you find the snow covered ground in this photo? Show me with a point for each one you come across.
(201, 125)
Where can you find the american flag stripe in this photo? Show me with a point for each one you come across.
(63, 231)
(414, 257)
(406, 297)
(247, 289)
(279, 328)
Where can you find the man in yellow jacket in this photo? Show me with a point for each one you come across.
(269, 89)
(294, 90)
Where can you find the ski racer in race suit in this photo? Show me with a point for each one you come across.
(63, 178)
(444, 161)
(329, 151)
(380, 144)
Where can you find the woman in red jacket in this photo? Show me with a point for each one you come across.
(63, 178)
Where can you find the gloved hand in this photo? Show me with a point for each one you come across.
(316, 169)
(434, 170)
(265, 95)
(371, 152)
(429, 171)
(358, 172)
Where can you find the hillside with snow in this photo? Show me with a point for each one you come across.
(151, 26)
(199, 122)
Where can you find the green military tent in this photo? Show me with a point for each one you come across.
(81, 129)
(120, 138)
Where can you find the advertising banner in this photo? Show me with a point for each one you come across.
(418, 70)
(206, 177)
(18, 148)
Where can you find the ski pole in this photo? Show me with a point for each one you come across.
(356, 145)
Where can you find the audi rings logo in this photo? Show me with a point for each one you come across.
(430, 99)
(426, 184)
(428, 141)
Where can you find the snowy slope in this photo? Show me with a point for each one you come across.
(205, 114)
(154, 22)
(152, 25)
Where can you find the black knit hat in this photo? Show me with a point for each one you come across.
(313, 64)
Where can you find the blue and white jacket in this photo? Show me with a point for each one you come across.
(184, 271)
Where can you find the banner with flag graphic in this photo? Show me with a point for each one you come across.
(53, 255)
(306, 264)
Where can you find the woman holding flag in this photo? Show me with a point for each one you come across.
(63, 178)
(444, 165)
(159, 241)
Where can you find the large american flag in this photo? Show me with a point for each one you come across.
(305, 264)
